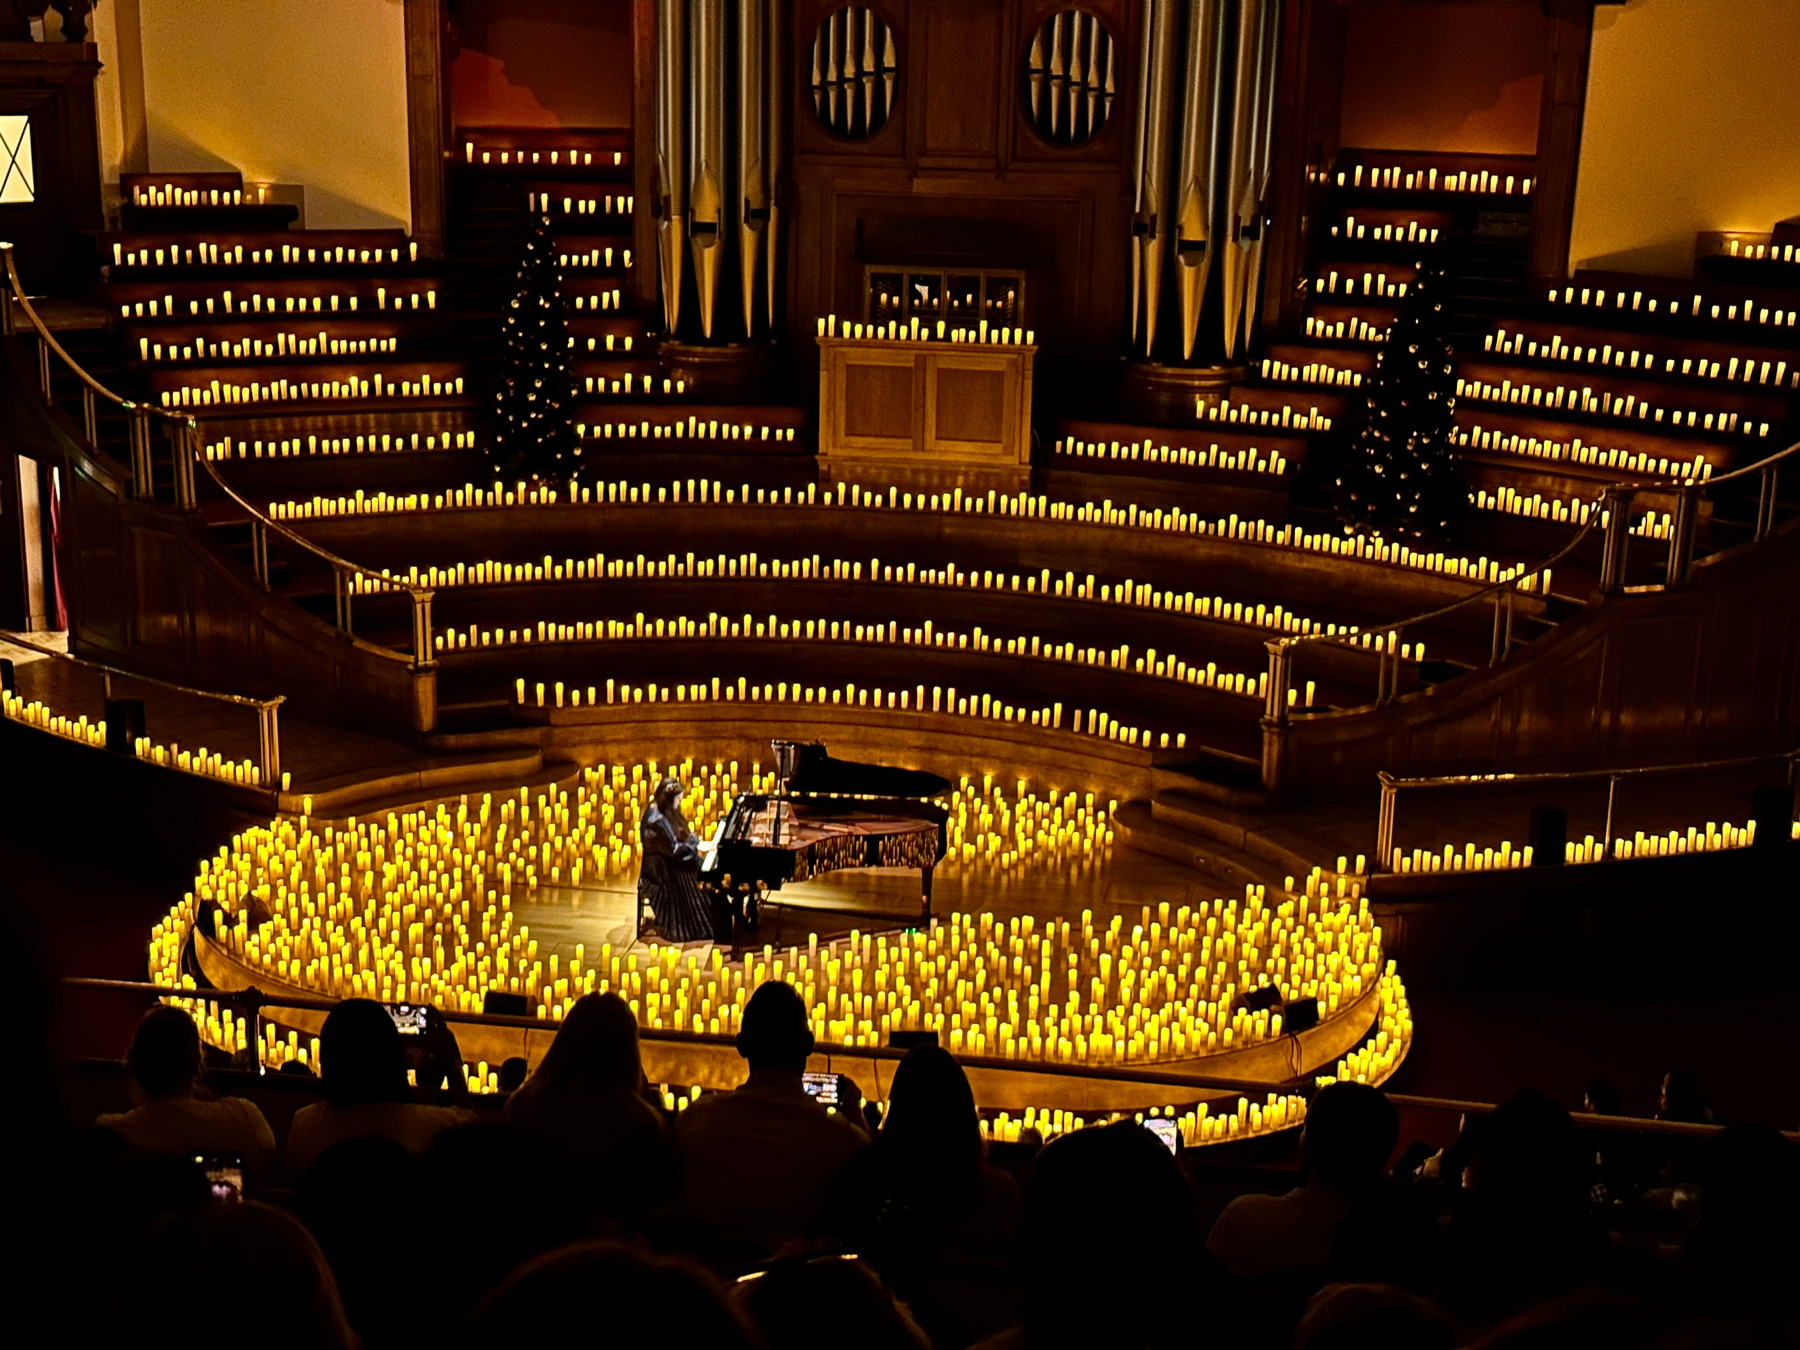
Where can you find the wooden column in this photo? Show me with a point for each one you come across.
(1309, 95)
(643, 281)
(427, 120)
(1571, 32)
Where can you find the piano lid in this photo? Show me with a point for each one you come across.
(808, 769)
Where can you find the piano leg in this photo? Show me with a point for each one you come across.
(925, 895)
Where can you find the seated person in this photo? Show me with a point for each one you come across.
(1350, 1130)
(363, 1071)
(669, 879)
(588, 1097)
(165, 1070)
(760, 1160)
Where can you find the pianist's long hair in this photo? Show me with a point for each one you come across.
(673, 789)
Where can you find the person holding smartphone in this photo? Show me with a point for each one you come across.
(760, 1160)
(171, 1116)
(363, 1064)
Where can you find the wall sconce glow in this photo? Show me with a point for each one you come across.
(18, 180)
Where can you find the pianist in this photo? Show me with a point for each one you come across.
(669, 884)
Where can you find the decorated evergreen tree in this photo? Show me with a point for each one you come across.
(533, 427)
(1403, 479)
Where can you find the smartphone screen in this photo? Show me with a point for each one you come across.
(821, 1087)
(1166, 1130)
(409, 1018)
(224, 1174)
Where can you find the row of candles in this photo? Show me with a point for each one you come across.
(174, 194)
(1241, 414)
(1387, 232)
(283, 390)
(1761, 250)
(1068, 587)
(260, 303)
(229, 447)
(1711, 837)
(1246, 460)
(419, 909)
(1313, 372)
(693, 429)
(944, 699)
(594, 257)
(912, 330)
(1605, 403)
(207, 254)
(612, 299)
(1577, 451)
(1378, 284)
(1575, 511)
(1024, 505)
(1696, 307)
(1745, 370)
(600, 204)
(570, 157)
(1399, 178)
(724, 628)
(86, 731)
(1344, 330)
(639, 382)
(282, 346)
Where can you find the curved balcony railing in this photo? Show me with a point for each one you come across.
(185, 451)
(1610, 512)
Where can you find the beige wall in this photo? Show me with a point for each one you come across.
(1464, 79)
(308, 92)
(1693, 123)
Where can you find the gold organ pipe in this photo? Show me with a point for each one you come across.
(706, 193)
(1196, 177)
(1252, 89)
(751, 162)
(776, 56)
(1153, 222)
(671, 153)
(1263, 146)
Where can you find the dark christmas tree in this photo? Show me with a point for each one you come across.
(534, 409)
(1403, 479)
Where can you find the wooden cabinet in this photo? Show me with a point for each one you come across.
(954, 412)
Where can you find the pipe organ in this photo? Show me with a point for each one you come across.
(1201, 177)
(718, 156)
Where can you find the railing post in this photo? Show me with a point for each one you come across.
(1616, 546)
(1275, 712)
(1765, 501)
(43, 350)
(341, 583)
(1680, 569)
(424, 663)
(9, 323)
(1384, 824)
(1497, 648)
(184, 438)
(90, 416)
(268, 737)
(259, 551)
(143, 479)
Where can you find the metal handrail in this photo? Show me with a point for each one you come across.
(1392, 785)
(268, 728)
(187, 451)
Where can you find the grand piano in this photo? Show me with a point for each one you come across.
(825, 815)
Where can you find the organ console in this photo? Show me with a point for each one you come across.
(825, 815)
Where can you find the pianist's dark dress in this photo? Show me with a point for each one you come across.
(669, 884)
